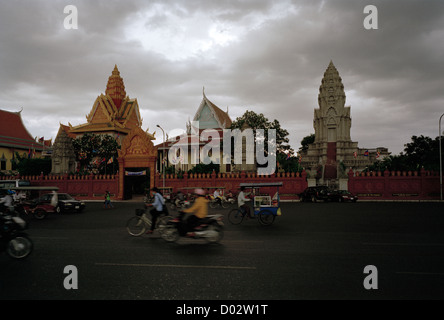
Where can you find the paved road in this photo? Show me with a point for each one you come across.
(313, 251)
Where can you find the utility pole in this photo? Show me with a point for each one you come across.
(163, 157)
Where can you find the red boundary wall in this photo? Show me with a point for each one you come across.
(422, 185)
(395, 185)
(91, 187)
(293, 183)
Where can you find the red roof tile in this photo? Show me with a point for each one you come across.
(13, 132)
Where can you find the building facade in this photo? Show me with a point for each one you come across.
(207, 117)
(333, 152)
(16, 139)
(117, 115)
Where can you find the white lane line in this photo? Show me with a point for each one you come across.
(50, 238)
(403, 244)
(422, 273)
(171, 266)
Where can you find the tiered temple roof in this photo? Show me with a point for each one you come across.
(113, 111)
(13, 133)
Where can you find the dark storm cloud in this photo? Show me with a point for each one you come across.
(265, 56)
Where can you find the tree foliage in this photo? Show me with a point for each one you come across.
(93, 152)
(288, 163)
(32, 166)
(254, 121)
(205, 168)
(421, 152)
(306, 141)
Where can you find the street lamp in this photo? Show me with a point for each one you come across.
(163, 157)
(440, 156)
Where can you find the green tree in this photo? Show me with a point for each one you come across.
(204, 168)
(93, 152)
(254, 121)
(288, 163)
(421, 152)
(26, 166)
(306, 141)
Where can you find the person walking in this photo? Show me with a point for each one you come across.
(107, 203)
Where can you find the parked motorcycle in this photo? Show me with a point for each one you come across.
(13, 240)
(211, 229)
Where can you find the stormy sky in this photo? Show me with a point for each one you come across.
(260, 55)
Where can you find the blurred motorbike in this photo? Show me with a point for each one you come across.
(13, 239)
(180, 205)
(211, 229)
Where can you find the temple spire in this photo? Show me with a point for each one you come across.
(115, 87)
(331, 91)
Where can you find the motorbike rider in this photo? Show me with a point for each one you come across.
(7, 201)
(200, 210)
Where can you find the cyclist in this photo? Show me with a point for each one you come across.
(241, 199)
(157, 208)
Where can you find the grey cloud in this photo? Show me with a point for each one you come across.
(392, 76)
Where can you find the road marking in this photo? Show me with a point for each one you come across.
(50, 238)
(402, 244)
(171, 266)
(423, 273)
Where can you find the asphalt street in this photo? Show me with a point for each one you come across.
(313, 251)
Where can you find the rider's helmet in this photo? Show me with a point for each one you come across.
(199, 192)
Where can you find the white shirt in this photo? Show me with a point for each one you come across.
(7, 200)
(241, 199)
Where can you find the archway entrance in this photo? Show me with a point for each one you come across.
(137, 164)
(137, 181)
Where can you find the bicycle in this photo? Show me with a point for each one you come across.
(236, 216)
(140, 223)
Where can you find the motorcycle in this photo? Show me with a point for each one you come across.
(222, 202)
(211, 229)
(180, 205)
(13, 240)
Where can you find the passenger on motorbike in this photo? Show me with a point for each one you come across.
(200, 210)
(217, 196)
(180, 198)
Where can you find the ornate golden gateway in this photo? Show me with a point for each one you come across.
(137, 151)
